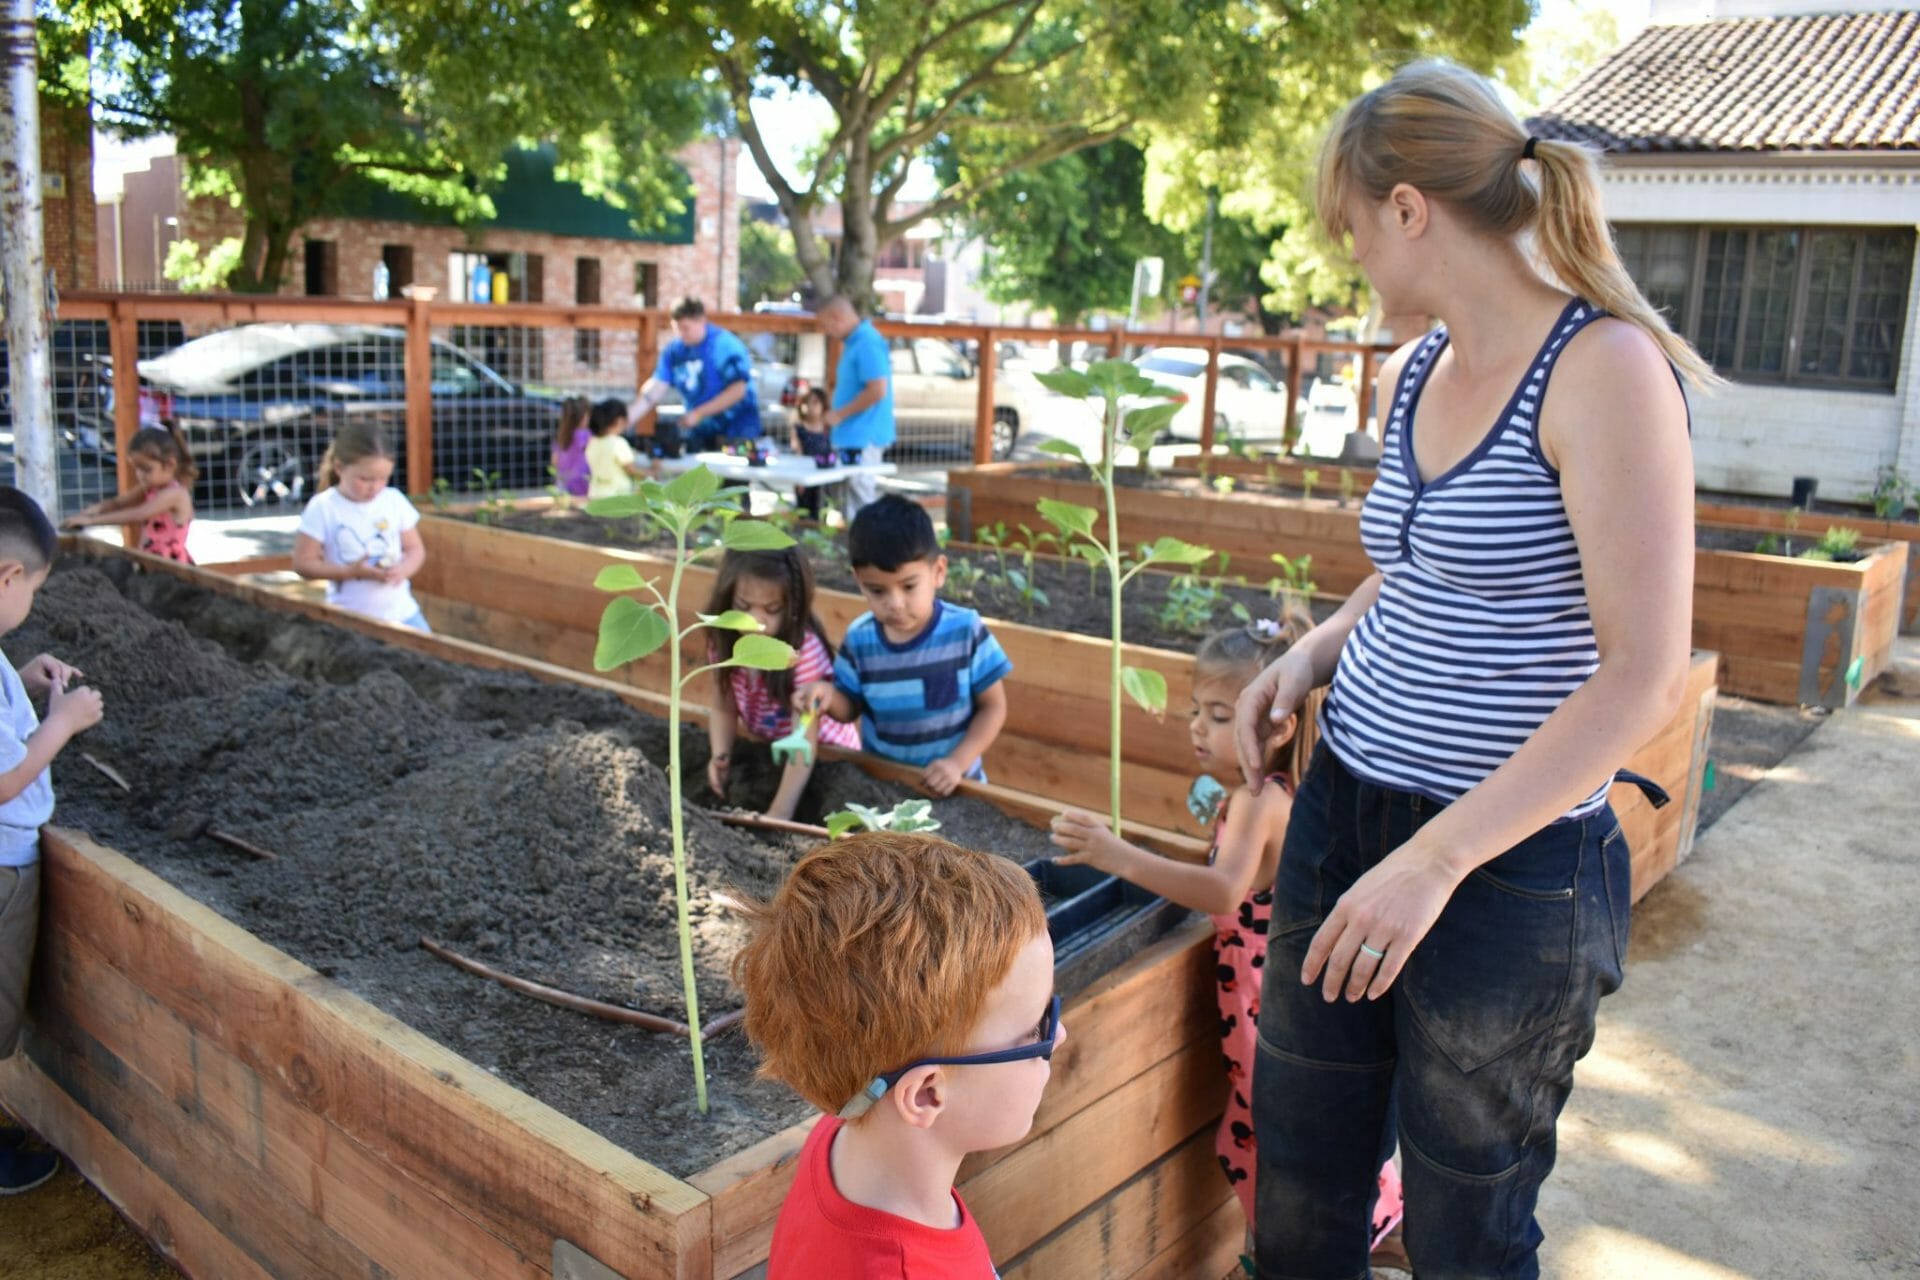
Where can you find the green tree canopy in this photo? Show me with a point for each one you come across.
(282, 105)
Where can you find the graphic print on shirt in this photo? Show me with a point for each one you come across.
(382, 550)
(686, 378)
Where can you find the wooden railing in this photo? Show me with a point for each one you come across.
(418, 316)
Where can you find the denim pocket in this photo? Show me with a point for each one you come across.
(1492, 974)
(940, 690)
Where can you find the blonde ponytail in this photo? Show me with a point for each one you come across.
(1574, 238)
(1443, 130)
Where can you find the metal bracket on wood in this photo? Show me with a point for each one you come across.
(1696, 773)
(960, 514)
(1910, 593)
(571, 1262)
(1832, 614)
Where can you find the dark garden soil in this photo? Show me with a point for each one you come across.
(525, 825)
(1160, 612)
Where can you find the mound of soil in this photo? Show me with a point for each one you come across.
(523, 824)
(1075, 601)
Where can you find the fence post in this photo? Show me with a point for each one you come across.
(123, 347)
(1366, 390)
(1296, 358)
(419, 368)
(645, 358)
(983, 405)
(1207, 400)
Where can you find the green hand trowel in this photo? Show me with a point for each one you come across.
(796, 745)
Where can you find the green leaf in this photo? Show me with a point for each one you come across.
(1111, 375)
(732, 620)
(619, 577)
(691, 488)
(1173, 551)
(1066, 382)
(1152, 418)
(1068, 517)
(843, 823)
(1065, 449)
(1145, 687)
(654, 493)
(753, 535)
(626, 504)
(629, 631)
(761, 653)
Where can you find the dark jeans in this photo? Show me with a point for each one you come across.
(1466, 1061)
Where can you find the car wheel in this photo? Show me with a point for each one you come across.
(269, 470)
(1006, 433)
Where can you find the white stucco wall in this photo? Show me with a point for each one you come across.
(1756, 438)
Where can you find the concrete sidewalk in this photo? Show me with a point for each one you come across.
(1752, 1104)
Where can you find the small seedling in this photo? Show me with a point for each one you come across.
(1835, 544)
(964, 578)
(1768, 546)
(1347, 486)
(907, 816)
(996, 538)
(1190, 604)
(1223, 484)
(441, 495)
(1308, 479)
(633, 628)
(1113, 381)
(1024, 585)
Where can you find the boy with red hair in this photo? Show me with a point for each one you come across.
(904, 986)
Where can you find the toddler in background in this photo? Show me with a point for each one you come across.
(570, 440)
(163, 507)
(610, 465)
(359, 535)
(811, 439)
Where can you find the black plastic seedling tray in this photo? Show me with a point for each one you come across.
(1097, 920)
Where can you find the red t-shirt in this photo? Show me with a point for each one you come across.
(823, 1234)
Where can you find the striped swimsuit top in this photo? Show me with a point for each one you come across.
(1481, 628)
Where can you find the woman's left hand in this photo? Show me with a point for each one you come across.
(1389, 910)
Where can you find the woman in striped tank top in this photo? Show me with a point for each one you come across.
(1452, 899)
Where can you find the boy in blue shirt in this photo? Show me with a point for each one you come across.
(713, 372)
(922, 677)
(27, 749)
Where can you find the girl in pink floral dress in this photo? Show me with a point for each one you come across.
(1234, 887)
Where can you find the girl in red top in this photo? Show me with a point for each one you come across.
(1235, 886)
(163, 505)
(776, 587)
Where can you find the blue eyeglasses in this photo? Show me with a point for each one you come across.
(1041, 1048)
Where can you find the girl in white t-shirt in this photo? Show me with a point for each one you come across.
(360, 536)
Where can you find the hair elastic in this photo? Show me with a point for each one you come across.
(1266, 630)
(1526, 152)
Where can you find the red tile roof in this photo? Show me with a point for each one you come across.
(1846, 82)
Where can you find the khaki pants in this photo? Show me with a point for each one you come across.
(19, 922)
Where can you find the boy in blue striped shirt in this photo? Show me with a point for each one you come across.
(921, 676)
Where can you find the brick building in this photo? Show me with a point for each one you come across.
(548, 242)
(1763, 180)
(66, 193)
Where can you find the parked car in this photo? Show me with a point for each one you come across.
(1248, 404)
(935, 392)
(258, 404)
(83, 376)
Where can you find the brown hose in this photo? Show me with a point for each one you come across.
(579, 1004)
(760, 822)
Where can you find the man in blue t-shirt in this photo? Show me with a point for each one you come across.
(713, 372)
(862, 415)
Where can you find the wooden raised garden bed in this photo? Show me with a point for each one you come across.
(255, 1119)
(1786, 522)
(1791, 630)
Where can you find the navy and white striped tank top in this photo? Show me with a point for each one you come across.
(1481, 629)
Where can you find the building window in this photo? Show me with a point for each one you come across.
(323, 269)
(1811, 306)
(646, 284)
(586, 292)
(398, 260)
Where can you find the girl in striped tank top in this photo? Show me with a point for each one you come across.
(1452, 900)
